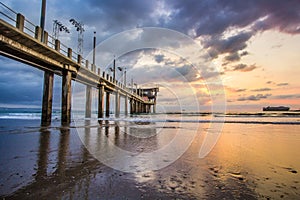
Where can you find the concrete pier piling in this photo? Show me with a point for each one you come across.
(47, 98)
(88, 101)
(101, 101)
(107, 111)
(117, 102)
(66, 97)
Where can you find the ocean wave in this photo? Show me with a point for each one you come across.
(226, 121)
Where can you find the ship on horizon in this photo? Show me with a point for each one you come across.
(276, 108)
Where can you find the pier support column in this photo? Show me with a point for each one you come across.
(126, 105)
(47, 98)
(136, 107)
(141, 107)
(66, 98)
(154, 105)
(100, 101)
(107, 104)
(88, 101)
(117, 101)
(131, 106)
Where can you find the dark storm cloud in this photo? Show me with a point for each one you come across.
(254, 97)
(22, 84)
(115, 15)
(231, 44)
(207, 17)
(19, 82)
(211, 17)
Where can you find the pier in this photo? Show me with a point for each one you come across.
(28, 43)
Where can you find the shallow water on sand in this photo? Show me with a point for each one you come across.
(249, 161)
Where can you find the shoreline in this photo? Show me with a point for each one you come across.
(53, 163)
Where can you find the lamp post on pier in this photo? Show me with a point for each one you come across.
(94, 53)
(113, 69)
(43, 17)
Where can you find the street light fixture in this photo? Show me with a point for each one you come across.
(58, 27)
(80, 29)
(135, 88)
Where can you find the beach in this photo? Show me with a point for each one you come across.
(249, 160)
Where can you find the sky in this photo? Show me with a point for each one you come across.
(202, 53)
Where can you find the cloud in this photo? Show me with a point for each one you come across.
(243, 68)
(282, 84)
(287, 96)
(254, 97)
(159, 58)
(241, 90)
(235, 89)
(276, 46)
(261, 90)
(244, 53)
(22, 85)
(214, 17)
(158, 73)
(230, 45)
(232, 57)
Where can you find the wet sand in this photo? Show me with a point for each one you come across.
(249, 161)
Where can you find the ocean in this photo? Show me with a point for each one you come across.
(152, 156)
